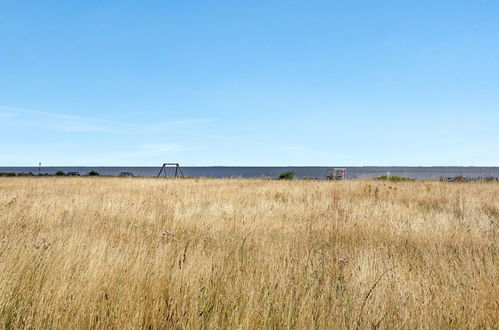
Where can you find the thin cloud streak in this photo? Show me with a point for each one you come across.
(7, 114)
(267, 144)
(161, 148)
(72, 123)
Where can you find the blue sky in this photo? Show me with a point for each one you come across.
(254, 83)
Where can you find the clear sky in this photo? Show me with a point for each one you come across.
(249, 83)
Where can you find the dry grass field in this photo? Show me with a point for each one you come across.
(128, 253)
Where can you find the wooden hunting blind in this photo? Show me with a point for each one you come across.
(335, 174)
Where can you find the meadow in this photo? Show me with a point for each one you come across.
(128, 253)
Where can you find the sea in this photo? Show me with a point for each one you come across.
(273, 172)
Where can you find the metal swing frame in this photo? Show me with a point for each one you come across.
(178, 170)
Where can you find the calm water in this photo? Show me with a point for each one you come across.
(272, 172)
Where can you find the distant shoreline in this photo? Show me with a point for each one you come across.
(300, 172)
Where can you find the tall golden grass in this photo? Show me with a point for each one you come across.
(158, 253)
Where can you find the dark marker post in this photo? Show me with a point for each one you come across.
(40, 168)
